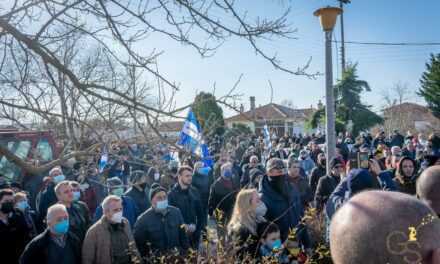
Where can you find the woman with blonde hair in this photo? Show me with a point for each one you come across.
(248, 213)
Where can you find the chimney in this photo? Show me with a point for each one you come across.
(254, 114)
(320, 105)
(241, 108)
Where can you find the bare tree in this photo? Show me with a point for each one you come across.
(393, 98)
(83, 65)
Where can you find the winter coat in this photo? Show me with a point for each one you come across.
(357, 180)
(79, 219)
(188, 201)
(140, 198)
(222, 196)
(45, 199)
(285, 211)
(317, 173)
(303, 187)
(97, 246)
(203, 183)
(157, 233)
(130, 210)
(326, 186)
(13, 237)
(405, 184)
(37, 251)
(386, 181)
(307, 164)
(245, 243)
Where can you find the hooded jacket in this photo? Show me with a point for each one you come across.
(406, 184)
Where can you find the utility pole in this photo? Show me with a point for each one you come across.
(341, 5)
(328, 16)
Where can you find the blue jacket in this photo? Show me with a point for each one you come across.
(386, 181)
(284, 211)
(130, 211)
(307, 165)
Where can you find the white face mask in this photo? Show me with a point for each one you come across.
(117, 217)
(261, 210)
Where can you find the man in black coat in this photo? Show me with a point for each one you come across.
(328, 183)
(14, 232)
(223, 193)
(187, 199)
(47, 197)
(161, 228)
(139, 190)
(253, 163)
(318, 172)
(56, 244)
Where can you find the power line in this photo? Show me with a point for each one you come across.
(393, 43)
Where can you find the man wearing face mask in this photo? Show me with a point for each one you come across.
(223, 192)
(187, 199)
(56, 244)
(47, 196)
(253, 164)
(161, 228)
(14, 232)
(138, 191)
(278, 195)
(202, 180)
(108, 240)
(79, 218)
(130, 210)
(307, 164)
(22, 204)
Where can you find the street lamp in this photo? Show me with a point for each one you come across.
(327, 17)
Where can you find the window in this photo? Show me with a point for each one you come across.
(44, 150)
(20, 149)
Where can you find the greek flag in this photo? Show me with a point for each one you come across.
(104, 159)
(192, 140)
(267, 141)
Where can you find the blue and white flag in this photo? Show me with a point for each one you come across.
(191, 139)
(104, 159)
(267, 141)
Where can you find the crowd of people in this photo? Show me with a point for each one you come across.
(256, 204)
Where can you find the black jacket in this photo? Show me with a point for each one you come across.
(315, 175)
(36, 251)
(326, 186)
(244, 243)
(45, 199)
(13, 237)
(222, 197)
(157, 233)
(188, 201)
(140, 198)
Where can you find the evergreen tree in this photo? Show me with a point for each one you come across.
(430, 83)
(348, 103)
(209, 114)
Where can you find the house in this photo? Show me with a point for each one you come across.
(410, 117)
(170, 129)
(279, 119)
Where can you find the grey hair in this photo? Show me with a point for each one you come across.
(52, 210)
(57, 168)
(59, 185)
(108, 200)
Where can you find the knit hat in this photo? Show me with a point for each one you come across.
(275, 163)
(113, 182)
(155, 189)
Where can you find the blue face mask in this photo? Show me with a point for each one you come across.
(162, 205)
(23, 205)
(276, 244)
(204, 171)
(59, 178)
(76, 196)
(62, 227)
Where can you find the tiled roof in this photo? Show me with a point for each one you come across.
(272, 112)
(170, 126)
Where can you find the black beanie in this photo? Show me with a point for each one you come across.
(155, 189)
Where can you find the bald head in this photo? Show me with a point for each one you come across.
(428, 186)
(378, 227)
